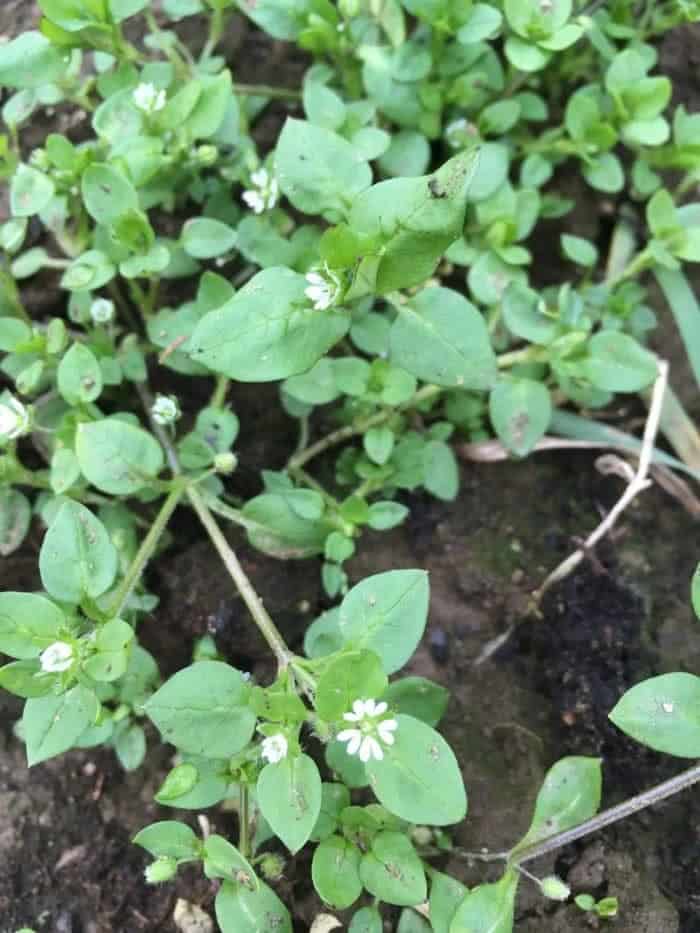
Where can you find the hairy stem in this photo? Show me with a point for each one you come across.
(243, 820)
(267, 627)
(148, 546)
(260, 615)
(266, 90)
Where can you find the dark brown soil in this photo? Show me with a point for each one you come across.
(66, 863)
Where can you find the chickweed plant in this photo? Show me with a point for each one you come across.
(377, 265)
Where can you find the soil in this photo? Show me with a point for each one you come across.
(518, 703)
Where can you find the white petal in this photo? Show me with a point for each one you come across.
(385, 735)
(260, 178)
(366, 748)
(390, 724)
(347, 734)
(375, 748)
(354, 743)
(358, 707)
(369, 707)
(313, 278)
(380, 708)
(351, 717)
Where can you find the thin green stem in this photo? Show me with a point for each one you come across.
(260, 615)
(267, 627)
(218, 398)
(266, 90)
(148, 546)
(353, 430)
(243, 820)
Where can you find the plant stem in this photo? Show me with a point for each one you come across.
(267, 627)
(148, 546)
(218, 398)
(266, 90)
(261, 617)
(353, 430)
(628, 807)
(243, 820)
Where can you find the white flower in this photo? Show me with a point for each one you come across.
(263, 196)
(14, 419)
(370, 730)
(57, 657)
(323, 288)
(102, 311)
(148, 99)
(274, 748)
(458, 132)
(165, 409)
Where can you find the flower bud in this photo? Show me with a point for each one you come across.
(554, 888)
(225, 463)
(163, 869)
(421, 835)
(272, 867)
(206, 155)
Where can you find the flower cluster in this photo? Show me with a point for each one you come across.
(14, 419)
(323, 289)
(370, 730)
(274, 748)
(264, 193)
(102, 311)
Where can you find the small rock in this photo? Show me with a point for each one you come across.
(189, 918)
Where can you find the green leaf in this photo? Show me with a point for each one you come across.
(267, 331)
(408, 154)
(417, 697)
(525, 56)
(206, 238)
(24, 679)
(488, 908)
(117, 457)
(77, 557)
(353, 675)
(323, 106)
(335, 871)
(52, 724)
(65, 470)
(393, 872)
(203, 710)
(569, 795)
(211, 786)
(366, 920)
(440, 337)
(605, 173)
(29, 61)
(107, 193)
(113, 643)
(520, 411)
(579, 250)
(276, 529)
(30, 191)
(385, 515)
(209, 113)
(15, 518)
(663, 713)
(378, 444)
(386, 613)
(404, 780)
(241, 910)
(28, 624)
(617, 363)
(89, 271)
(410, 222)
(318, 170)
(483, 22)
(334, 799)
(79, 377)
(695, 591)
(169, 838)
(177, 782)
(440, 470)
(446, 894)
(130, 747)
(524, 314)
(223, 860)
(686, 312)
(289, 797)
